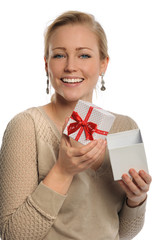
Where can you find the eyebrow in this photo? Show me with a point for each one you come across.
(77, 49)
(82, 48)
(58, 48)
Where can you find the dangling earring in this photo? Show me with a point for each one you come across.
(47, 89)
(102, 82)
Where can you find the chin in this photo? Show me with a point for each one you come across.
(76, 98)
(72, 97)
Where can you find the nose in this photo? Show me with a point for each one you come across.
(70, 64)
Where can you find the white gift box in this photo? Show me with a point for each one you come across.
(88, 122)
(126, 150)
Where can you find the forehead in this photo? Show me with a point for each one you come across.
(76, 35)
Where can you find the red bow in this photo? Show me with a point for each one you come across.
(88, 127)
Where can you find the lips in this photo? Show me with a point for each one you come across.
(72, 80)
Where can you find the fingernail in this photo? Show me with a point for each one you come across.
(124, 176)
(132, 171)
(142, 172)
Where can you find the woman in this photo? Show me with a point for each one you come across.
(52, 188)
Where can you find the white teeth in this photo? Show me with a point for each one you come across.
(72, 80)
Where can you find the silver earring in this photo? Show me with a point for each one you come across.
(47, 89)
(102, 82)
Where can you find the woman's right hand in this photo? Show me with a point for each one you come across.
(72, 160)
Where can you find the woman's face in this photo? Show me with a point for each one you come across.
(74, 63)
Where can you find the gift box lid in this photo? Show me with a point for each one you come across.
(98, 116)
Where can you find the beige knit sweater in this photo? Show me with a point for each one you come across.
(94, 207)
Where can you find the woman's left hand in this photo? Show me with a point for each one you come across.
(136, 188)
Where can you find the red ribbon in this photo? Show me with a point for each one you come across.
(88, 127)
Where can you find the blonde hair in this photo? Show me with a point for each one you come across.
(76, 17)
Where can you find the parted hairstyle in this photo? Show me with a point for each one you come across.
(76, 17)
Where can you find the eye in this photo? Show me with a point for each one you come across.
(58, 56)
(84, 56)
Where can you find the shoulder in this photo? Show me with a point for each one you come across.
(21, 122)
(122, 123)
(20, 128)
(24, 117)
(31, 116)
(32, 123)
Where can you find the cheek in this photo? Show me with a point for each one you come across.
(53, 74)
(54, 68)
(93, 71)
(91, 67)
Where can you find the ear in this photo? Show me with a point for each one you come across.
(46, 65)
(104, 65)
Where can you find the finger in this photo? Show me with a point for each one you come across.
(77, 152)
(100, 153)
(65, 137)
(99, 150)
(86, 160)
(95, 152)
(65, 123)
(139, 181)
(125, 188)
(145, 176)
(132, 187)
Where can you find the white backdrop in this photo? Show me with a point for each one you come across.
(133, 31)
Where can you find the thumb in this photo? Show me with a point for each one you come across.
(65, 137)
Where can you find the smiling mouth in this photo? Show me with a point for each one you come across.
(72, 80)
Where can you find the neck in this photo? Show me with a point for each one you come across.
(62, 107)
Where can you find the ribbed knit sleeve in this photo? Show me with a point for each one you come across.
(27, 209)
(131, 221)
